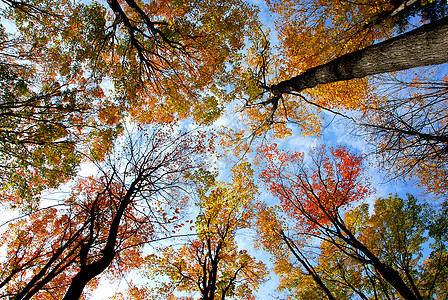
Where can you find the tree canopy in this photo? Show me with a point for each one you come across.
(115, 160)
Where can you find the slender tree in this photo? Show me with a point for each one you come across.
(314, 196)
(212, 263)
(397, 232)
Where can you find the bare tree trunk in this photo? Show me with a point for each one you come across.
(424, 46)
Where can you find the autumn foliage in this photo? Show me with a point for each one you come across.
(59, 251)
(212, 264)
(314, 193)
(108, 119)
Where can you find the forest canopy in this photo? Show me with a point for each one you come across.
(187, 145)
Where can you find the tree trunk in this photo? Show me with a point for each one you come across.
(424, 46)
(391, 275)
(307, 267)
(90, 271)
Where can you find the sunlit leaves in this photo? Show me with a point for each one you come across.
(212, 265)
(80, 68)
(314, 192)
(396, 232)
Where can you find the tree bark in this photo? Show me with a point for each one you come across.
(424, 46)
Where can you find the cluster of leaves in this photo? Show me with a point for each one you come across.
(37, 150)
(48, 108)
(71, 71)
(318, 41)
(396, 233)
(312, 33)
(332, 182)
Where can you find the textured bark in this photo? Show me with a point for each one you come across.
(424, 46)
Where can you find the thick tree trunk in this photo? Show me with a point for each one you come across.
(86, 274)
(424, 46)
